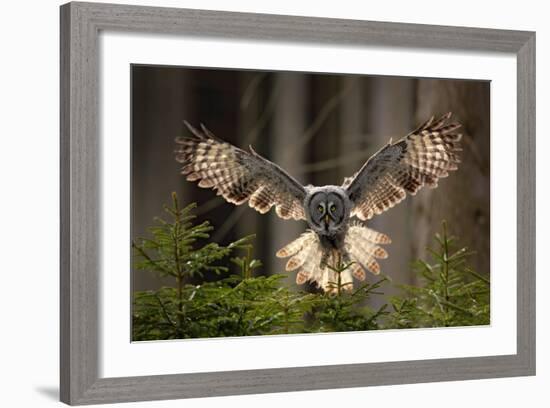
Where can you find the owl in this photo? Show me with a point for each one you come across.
(336, 215)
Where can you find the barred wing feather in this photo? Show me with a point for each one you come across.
(239, 176)
(420, 158)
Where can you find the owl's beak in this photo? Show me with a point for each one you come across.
(326, 221)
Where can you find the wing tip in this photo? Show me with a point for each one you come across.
(203, 134)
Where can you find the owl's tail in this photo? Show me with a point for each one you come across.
(318, 265)
(363, 246)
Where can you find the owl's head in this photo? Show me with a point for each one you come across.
(327, 209)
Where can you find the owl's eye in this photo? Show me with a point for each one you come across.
(332, 208)
(320, 209)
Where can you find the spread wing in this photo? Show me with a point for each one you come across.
(239, 176)
(420, 158)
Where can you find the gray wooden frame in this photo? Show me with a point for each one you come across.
(80, 235)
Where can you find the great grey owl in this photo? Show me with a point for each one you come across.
(420, 158)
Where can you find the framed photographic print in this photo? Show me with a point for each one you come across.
(293, 197)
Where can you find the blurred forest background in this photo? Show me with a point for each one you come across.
(320, 128)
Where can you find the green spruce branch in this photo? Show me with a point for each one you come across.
(451, 294)
(240, 301)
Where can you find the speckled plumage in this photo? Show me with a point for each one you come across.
(239, 176)
(420, 158)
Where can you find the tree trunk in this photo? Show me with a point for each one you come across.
(289, 122)
(157, 92)
(391, 110)
(462, 198)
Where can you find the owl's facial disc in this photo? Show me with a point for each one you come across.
(326, 213)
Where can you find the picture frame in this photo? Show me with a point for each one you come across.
(81, 24)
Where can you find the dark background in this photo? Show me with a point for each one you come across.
(320, 128)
